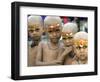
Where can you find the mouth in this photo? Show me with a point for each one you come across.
(68, 43)
(36, 37)
(82, 56)
(55, 38)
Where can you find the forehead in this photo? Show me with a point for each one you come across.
(54, 24)
(67, 33)
(81, 42)
(54, 27)
(33, 26)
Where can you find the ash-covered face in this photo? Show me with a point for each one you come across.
(35, 31)
(67, 38)
(81, 49)
(54, 33)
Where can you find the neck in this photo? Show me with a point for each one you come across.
(80, 60)
(53, 45)
(35, 43)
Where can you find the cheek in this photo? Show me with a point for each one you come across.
(49, 35)
(86, 51)
(64, 41)
(59, 34)
(39, 33)
(69, 41)
(30, 34)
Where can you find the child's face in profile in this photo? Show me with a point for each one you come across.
(67, 38)
(81, 49)
(35, 31)
(54, 32)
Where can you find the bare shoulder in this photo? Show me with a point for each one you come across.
(43, 43)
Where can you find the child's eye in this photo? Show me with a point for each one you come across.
(57, 30)
(64, 38)
(70, 37)
(37, 29)
(84, 47)
(78, 47)
(49, 31)
(31, 31)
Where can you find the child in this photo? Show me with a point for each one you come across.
(68, 31)
(35, 25)
(80, 48)
(48, 51)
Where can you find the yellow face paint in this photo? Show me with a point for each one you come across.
(33, 27)
(81, 43)
(54, 27)
(67, 35)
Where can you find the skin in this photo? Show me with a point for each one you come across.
(46, 56)
(32, 55)
(68, 42)
(35, 34)
(48, 52)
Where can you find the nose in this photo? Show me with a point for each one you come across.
(34, 32)
(81, 50)
(54, 33)
(67, 41)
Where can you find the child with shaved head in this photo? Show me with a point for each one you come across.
(68, 31)
(48, 50)
(35, 26)
(80, 48)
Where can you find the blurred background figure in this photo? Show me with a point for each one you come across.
(84, 25)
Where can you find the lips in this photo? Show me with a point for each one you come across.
(82, 56)
(54, 38)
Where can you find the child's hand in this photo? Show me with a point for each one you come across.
(67, 49)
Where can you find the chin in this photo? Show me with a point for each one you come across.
(68, 44)
(83, 58)
(55, 40)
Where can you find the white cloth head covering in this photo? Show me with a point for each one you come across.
(35, 20)
(81, 35)
(70, 27)
(49, 20)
